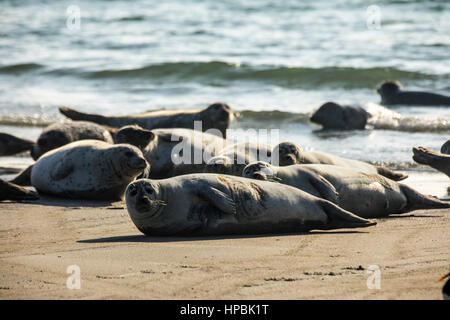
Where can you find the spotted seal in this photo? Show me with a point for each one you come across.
(216, 116)
(88, 169)
(212, 204)
(392, 94)
(289, 153)
(366, 195)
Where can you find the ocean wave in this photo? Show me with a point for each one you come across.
(19, 68)
(347, 77)
(25, 121)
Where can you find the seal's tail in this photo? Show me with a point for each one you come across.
(417, 201)
(10, 191)
(80, 116)
(396, 176)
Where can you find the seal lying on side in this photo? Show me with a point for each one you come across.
(333, 116)
(366, 195)
(391, 94)
(235, 157)
(11, 145)
(212, 204)
(172, 151)
(216, 116)
(88, 169)
(10, 191)
(438, 161)
(289, 154)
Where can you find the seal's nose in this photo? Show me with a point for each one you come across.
(287, 160)
(258, 176)
(142, 202)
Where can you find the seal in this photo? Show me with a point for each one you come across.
(212, 204)
(392, 94)
(11, 145)
(366, 195)
(232, 159)
(172, 151)
(11, 191)
(88, 169)
(62, 133)
(289, 153)
(216, 116)
(333, 116)
(438, 161)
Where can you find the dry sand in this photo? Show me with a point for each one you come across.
(40, 240)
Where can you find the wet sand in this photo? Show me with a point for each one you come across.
(38, 241)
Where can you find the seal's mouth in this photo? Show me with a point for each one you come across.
(259, 176)
(287, 160)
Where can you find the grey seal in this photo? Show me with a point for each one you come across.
(334, 116)
(212, 204)
(438, 161)
(88, 169)
(11, 145)
(172, 151)
(392, 94)
(289, 153)
(366, 195)
(216, 116)
(233, 158)
(11, 191)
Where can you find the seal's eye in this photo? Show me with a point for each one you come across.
(149, 190)
(133, 191)
(128, 154)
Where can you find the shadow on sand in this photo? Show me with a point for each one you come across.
(143, 238)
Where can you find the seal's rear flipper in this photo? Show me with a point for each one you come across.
(80, 116)
(10, 191)
(396, 176)
(417, 201)
(435, 160)
(11, 145)
(339, 218)
(24, 177)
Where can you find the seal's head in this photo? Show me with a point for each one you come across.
(387, 89)
(128, 160)
(134, 135)
(217, 116)
(259, 170)
(50, 140)
(143, 204)
(288, 153)
(445, 149)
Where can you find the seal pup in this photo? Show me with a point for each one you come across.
(62, 133)
(212, 204)
(392, 94)
(438, 161)
(216, 116)
(88, 169)
(334, 116)
(232, 159)
(289, 153)
(11, 145)
(366, 195)
(11, 191)
(172, 151)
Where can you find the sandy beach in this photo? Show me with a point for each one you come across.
(40, 240)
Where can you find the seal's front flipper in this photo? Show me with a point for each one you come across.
(326, 190)
(62, 169)
(396, 176)
(339, 218)
(217, 198)
(24, 177)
